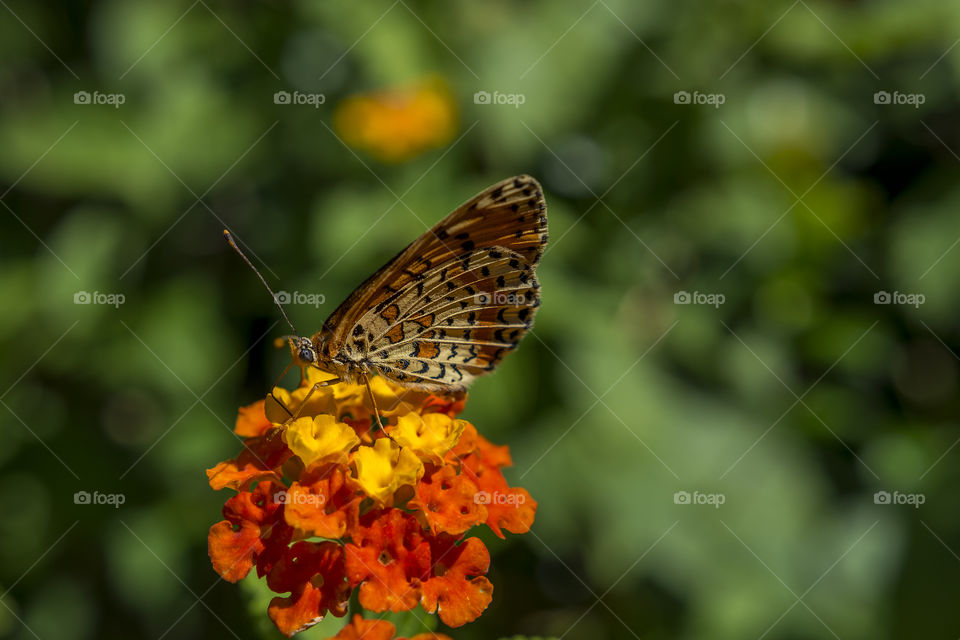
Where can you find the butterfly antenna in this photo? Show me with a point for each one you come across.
(226, 234)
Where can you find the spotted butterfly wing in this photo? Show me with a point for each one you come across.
(454, 302)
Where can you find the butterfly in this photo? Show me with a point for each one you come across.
(449, 307)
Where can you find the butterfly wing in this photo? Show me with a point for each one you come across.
(456, 323)
(453, 303)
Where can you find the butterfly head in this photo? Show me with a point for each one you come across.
(303, 350)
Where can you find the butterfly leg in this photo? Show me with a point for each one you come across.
(274, 386)
(373, 402)
(314, 389)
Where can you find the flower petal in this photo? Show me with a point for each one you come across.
(510, 508)
(260, 459)
(313, 573)
(320, 439)
(451, 405)
(384, 468)
(430, 436)
(387, 558)
(322, 503)
(361, 629)
(253, 532)
(252, 421)
(448, 502)
(232, 550)
(458, 591)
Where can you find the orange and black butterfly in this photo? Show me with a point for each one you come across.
(447, 308)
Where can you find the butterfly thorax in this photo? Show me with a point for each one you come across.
(334, 361)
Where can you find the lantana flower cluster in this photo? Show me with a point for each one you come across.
(328, 503)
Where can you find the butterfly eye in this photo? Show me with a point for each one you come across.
(306, 355)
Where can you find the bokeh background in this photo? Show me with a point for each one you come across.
(807, 176)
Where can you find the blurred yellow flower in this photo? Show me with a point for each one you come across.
(320, 438)
(430, 436)
(397, 124)
(384, 468)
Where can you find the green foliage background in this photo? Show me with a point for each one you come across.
(797, 199)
